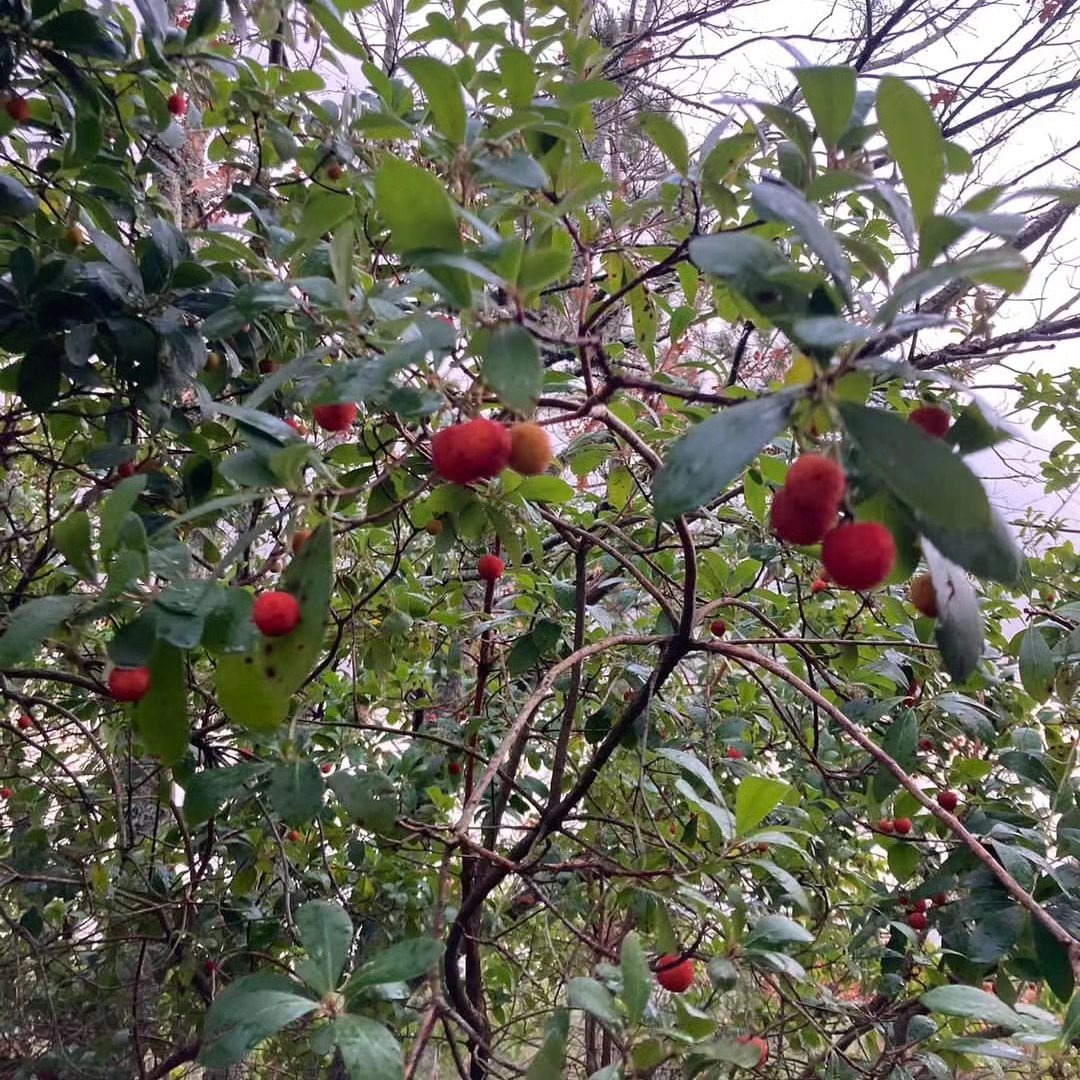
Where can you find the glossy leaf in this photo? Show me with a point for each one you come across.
(830, 94)
(325, 933)
(915, 141)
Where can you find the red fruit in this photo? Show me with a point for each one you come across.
(760, 1043)
(940, 900)
(454, 768)
(25, 722)
(674, 974)
(818, 585)
(902, 825)
(334, 171)
(125, 469)
(885, 825)
(926, 744)
(815, 481)
(923, 596)
(177, 104)
(798, 524)
(733, 753)
(933, 419)
(919, 905)
(859, 555)
(210, 966)
(948, 800)
(300, 538)
(530, 449)
(434, 527)
(718, 627)
(294, 835)
(129, 684)
(672, 829)
(917, 920)
(6, 792)
(295, 425)
(490, 567)
(476, 450)
(18, 108)
(276, 613)
(266, 365)
(327, 769)
(335, 417)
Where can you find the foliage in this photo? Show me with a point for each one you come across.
(446, 826)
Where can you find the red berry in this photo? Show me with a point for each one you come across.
(760, 1043)
(327, 769)
(920, 905)
(674, 974)
(6, 792)
(885, 825)
(819, 585)
(25, 722)
(859, 555)
(18, 108)
(490, 567)
(923, 596)
(295, 425)
(335, 417)
(933, 419)
(948, 800)
(718, 627)
(815, 481)
(294, 835)
(334, 171)
(454, 768)
(924, 743)
(733, 753)
(210, 966)
(530, 449)
(177, 104)
(129, 684)
(798, 524)
(125, 469)
(300, 538)
(276, 613)
(476, 450)
(917, 920)
(266, 365)
(940, 900)
(902, 825)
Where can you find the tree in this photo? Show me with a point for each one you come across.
(330, 749)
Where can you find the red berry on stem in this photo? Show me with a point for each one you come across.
(276, 613)
(26, 722)
(902, 825)
(674, 974)
(917, 920)
(760, 1043)
(885, 825)
(6, 792)
(819, 585)
(294, 835)
(948, 800)
(177, 104)
(530, 449)
(859, 555)
(335, 417)
(129, 684)
(490, 567)
(266, 365)
(327, 768)
(919, 905)
(815, 481)
(718, 627)
(923, 596)
(797, 524)
(933, 419)
(454, 768)
(334, 171)
(926, 744)
(941, 899)
(476, 450)
(125, 469)
(733, 753)
(18, 108)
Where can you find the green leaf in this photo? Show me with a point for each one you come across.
(72, 538)
(512, 367)
(830, 94)
(204, 20)
(902, 456)
(442, 89)
(323, 211)
(369, 1049)
(1053, 961)
(1036, 665)
(705, 460)
(787, 881)
(748, 263)
(326, 932)
(518, 76)
(31, 623)
(245, 1013)
(255, 688)
(544, 489)
(115, 509)
(959, 629)
(668, 138)
(596, 1000)
(209, 789)
(637, 980)
(160, 719)
(695, 766)
(551, 1059)
(778, 201)
(587, 90)
(80, 32)
(973, 1004)
(1071, 1030)
(903, 861)
(402, 962)
(518, 169)
(341, 37)
(370, 799)
(39, 376)
(756, 798)
(296, 790)
(778, 930)
(987, 553)
(915, 141)
(416, 207)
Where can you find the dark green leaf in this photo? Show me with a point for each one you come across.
(637, 980)
(1053, 962)
(31, 623)
(369, 798)
(972, 1004)
(369, 1050)
(1036, 665)
(296, 790)
(402, 962)
(595, 999)
(959, 628)
(668, 138)
(160, 718)
(915, 141)
(116, 508)
(756, 798)
(987, 553)
(830, 94)
(80, 32)
(512, 367)
(778, 930)
(39, 376)
(442, 90)
(209, 789)
(72, 538)
(326, 933)
(415, 206)
(551, 1058)
(518, 169)
(204, 20)
(705, 460)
